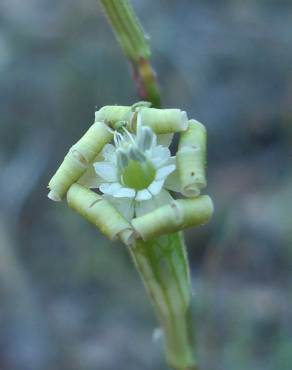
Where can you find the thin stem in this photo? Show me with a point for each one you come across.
(163, 266)
(146, 82)
(135, 44)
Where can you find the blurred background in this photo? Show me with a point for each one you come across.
(69, 299)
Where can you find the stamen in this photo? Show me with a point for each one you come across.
(130, 136)
(122, 159)
(118, 138)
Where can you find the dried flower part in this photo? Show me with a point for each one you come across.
(78, 158)
(177, 215)
(100, 212)
(191, 159)
(161, 121)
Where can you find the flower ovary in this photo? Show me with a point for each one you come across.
(138, 175)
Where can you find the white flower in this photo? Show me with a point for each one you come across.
(136, 171)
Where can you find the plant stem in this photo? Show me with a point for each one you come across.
(135, 44)
(161, 262)
(163, 266)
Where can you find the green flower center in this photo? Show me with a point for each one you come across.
(138, 175)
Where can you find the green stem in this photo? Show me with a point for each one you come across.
(135, 44)
(163, 266)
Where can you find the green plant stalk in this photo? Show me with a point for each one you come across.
(163, 266)
(133, 41)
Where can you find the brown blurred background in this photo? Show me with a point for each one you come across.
(71, 300)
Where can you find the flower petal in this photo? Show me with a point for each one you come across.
(172, 160)
(109, 153)
(159, 155)
(90, 179)
(145, 139)
(156, 186)
(124, 193)
(163, 198)
(172, 182)
(143, 195)
(164, 139)
(144, 207)
(123, 205)
(163, 172)
(150, 205)
(106, 170)
(110, 188)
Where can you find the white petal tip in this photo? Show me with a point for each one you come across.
(156, 187)
(143, 195)
(53, 195)
(163, 172)
(109, 188)
(106, 171)
(124, 193)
